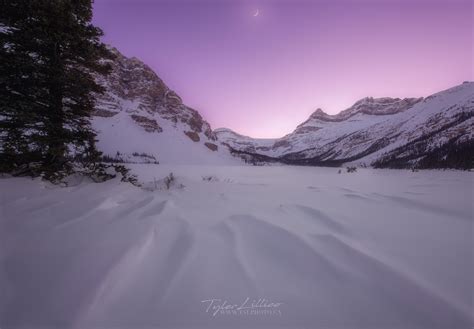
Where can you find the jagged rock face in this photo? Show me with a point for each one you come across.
(384, 132)
(140, 120)
(149, 125)
(133, 87)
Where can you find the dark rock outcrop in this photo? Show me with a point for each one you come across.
(193, 136)
(150, 125)
(211, 146)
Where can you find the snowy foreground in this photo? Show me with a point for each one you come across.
(308, 247)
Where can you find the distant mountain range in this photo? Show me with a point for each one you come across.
(139, 119)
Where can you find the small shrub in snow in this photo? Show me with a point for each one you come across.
(351, 169)
(169, 180)
(166, 183)
(126, 176)
(144, 158)
(210, 178)
(106, 172)
(144, 155)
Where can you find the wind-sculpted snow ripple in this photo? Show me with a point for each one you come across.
(358, 253)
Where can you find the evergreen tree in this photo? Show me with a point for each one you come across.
(49, 54)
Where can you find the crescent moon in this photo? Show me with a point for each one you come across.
(256, 13)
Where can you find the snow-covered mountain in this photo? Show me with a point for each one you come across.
(385, 132)
(140, 119)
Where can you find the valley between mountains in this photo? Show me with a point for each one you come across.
(139, 119)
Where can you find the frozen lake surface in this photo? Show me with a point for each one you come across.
(308, 247)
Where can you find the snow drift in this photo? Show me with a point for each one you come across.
(374, 249)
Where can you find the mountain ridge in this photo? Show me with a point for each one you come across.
(369, 127)
(140, 114)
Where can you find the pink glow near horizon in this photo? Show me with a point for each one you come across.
(262, 76)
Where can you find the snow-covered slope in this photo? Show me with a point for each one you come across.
(383, 132)
(139, 119)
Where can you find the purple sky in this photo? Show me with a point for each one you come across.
(261, 76)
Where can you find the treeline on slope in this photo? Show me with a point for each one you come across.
(421, 153)
(327, 158)
(455, 153)
(49, 51)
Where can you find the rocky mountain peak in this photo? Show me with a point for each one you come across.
(134, 87)
(367, 105)
(318, 112)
